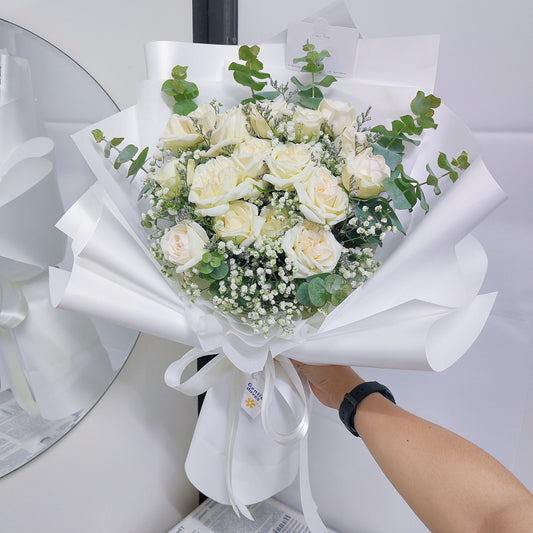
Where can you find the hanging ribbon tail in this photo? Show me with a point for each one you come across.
(231, 430)
(13, 311)
(309, 507)
(287, 381)
(15, 373)
(200, 382)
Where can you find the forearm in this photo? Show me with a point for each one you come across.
(451, 484)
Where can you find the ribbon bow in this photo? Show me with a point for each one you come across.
(281, 376)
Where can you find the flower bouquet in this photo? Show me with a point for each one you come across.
(287, 226)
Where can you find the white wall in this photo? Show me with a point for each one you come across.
(121, 469)
(105, 37)
(485, 71)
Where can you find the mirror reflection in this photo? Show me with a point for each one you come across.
(54, 365)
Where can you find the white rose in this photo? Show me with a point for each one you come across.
(363, 174)
(215, 184)
(287, 164)
(276, 221)
(184, 244)
(349, 140)
(339, 115)
(273, 110)
(170, 176)
(206, 117)
(322, 200)
(307, 124)
(180, 133)
(240, 222)
(231, 128)
(249, 157)
(311, 248)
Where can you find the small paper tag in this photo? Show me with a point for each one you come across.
(253, 394)
(339, 41)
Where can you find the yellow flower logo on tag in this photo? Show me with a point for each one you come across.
(250, 403)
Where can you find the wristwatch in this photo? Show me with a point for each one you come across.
(353, 398)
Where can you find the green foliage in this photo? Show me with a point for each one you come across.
(321, 289)
(124, 155)
(251, 75)
(213, 267)
(391, 140)
(406, 192)
(403, 191)
(310, 94)
(182, 91)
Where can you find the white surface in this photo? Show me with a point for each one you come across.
(121, 470)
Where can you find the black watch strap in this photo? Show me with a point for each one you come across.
(353, 398)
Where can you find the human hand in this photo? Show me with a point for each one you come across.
(330, 383)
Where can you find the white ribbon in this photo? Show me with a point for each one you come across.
(13, 311)
(280, 374)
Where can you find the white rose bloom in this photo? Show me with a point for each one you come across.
(258, 122)
(288, 164)
(322, 200)
(215, 184)
(311, 248)
(339, 115)
(231, 129)
(349, 139)
(180, 133)
(276, 221)
(276, 109)
(184, 244)
(206, 117)
(249, 157)
(363, 174)
(307, 123)
(240, 222)
(169, 176)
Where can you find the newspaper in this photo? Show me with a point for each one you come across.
(270, 516)
(23, 436)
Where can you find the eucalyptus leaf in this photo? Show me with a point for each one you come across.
(338, 297)
(137, 163)
(317, 292)
(98, 135)
(333, 283)
(268, 95)
(327, 81)
(302, 294)
(443, 162)
(184, 108)
(125, 155)
(116, 141)
(393, 159)
(220, 272)
(396, 194)
(310, 102)
(205, 268)
(238, 67)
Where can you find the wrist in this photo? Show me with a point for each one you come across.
(344, 388)
(353, 399)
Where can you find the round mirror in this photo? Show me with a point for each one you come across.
(54, 365)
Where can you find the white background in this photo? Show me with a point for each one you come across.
(121, 470)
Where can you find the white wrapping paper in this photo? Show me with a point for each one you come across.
(421, 309)
(53, 361)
